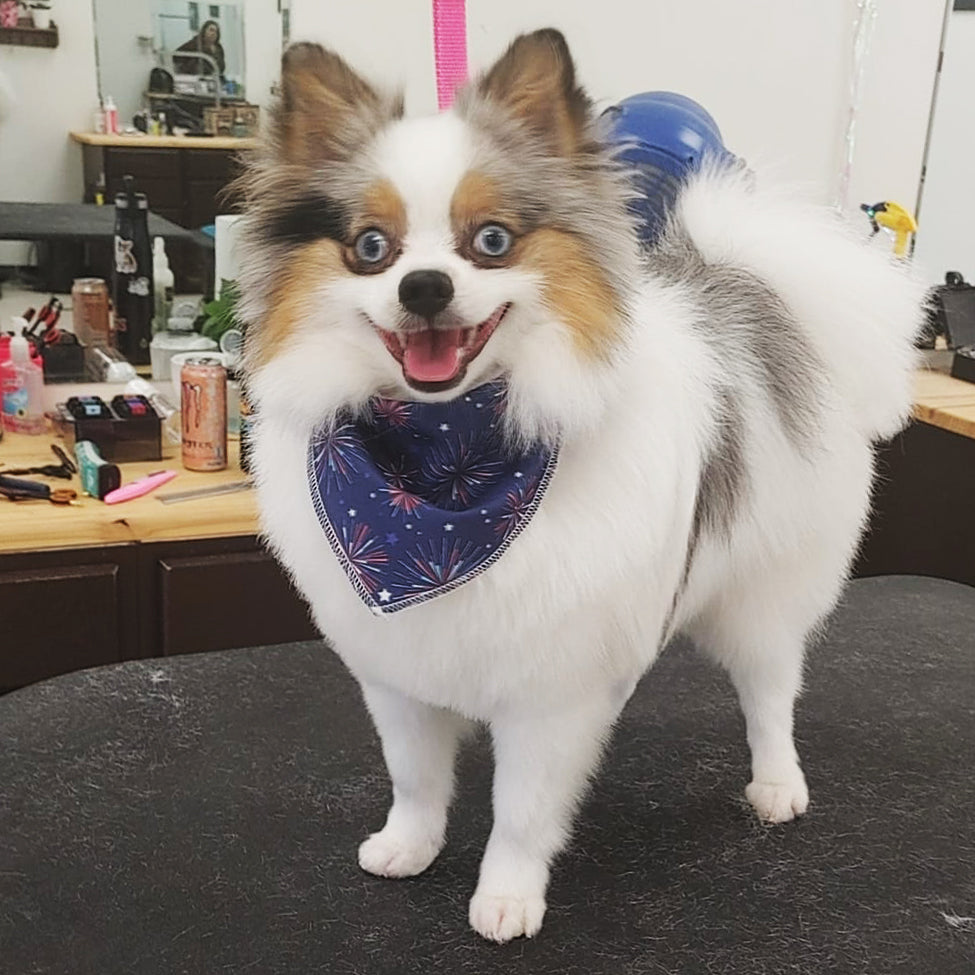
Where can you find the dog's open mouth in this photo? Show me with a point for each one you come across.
(437, 358)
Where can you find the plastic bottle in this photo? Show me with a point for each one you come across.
(162, 285)
(23, 390)
(111, 116)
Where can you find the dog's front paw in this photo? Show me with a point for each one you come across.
(391, 853)
(503, 917)
(778, 802)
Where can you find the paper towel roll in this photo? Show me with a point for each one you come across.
(227, 266)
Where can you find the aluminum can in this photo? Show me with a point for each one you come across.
(89, 301)
(203, 404)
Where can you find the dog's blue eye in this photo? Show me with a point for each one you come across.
(492, 240)
(371, 246)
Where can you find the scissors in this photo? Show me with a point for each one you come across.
(65, 469)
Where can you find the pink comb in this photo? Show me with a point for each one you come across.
(449, 48)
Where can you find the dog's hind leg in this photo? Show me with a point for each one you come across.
(419, 745)
(763, 653)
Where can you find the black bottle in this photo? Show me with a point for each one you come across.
(132, 275)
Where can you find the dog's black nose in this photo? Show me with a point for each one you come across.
(425, 293)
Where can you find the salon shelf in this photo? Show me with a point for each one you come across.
(30, 36)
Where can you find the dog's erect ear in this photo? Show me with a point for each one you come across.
(535, 81)
(326, 109)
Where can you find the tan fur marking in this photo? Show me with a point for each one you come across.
(384, 208)
(476, 201)
(292, 298)
(574, 288)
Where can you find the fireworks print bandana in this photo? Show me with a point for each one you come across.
(418, 498)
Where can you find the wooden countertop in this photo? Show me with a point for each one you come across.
(30, 525)
(945, 402)
(164, 141)
(33, 525)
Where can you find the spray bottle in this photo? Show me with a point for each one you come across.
(23, 388)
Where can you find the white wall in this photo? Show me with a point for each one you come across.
(55, 92)
(774, 73)
(946, 231)
(262, 49)
(123, 63)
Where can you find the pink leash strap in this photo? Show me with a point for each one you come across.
(449, 48)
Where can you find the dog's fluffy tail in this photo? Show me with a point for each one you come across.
(860, 307)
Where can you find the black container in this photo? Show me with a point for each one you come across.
(951, 313)
(132, 275)
(64, 362)
(120, 432)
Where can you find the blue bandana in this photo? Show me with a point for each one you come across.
(418, 498)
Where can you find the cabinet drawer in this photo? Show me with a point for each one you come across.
(226, 600)
(59, 618)
(143, 163)
(210, 164)
(204, 202)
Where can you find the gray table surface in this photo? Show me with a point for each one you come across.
(200, 814)
(80, 221)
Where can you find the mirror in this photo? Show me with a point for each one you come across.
(946, 215)
(223, 53)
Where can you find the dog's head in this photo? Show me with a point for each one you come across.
(416, 258)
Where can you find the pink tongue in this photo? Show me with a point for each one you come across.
(433, 355)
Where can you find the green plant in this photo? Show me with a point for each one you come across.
(220, 314)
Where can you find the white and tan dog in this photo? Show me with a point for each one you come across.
(714, 401)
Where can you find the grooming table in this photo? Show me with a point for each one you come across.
(81, 222)
(62, 231)
(201, 814)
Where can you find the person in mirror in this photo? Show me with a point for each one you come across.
(207, 41)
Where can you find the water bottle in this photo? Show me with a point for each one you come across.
(132, 290)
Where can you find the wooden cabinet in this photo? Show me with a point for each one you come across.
(68, 609)
(921, 522)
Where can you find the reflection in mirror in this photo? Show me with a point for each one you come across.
(203, 67)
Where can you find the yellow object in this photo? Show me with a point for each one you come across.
(894, 217)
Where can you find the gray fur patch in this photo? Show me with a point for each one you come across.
(753, 332)
(724, 478)
(721, 490)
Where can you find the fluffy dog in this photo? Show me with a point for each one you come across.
(699, 416)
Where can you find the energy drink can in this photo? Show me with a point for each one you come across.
(203, 398)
